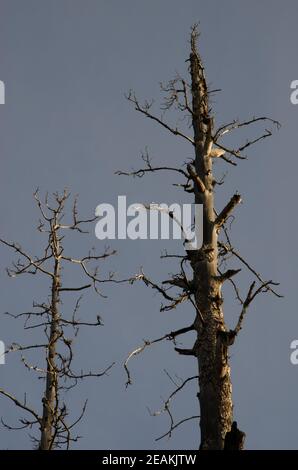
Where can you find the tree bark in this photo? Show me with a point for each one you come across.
(51, 393)
(211, 349)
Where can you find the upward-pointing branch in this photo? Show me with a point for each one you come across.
(225, 213)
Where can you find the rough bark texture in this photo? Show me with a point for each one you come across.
(211, 350)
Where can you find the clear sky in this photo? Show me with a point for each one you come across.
(66, 65)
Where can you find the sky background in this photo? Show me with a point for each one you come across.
(66, 66)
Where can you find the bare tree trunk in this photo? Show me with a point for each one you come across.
(50, 398)
(214, 373)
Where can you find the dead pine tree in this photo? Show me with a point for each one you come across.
(53, 356)
(204, 288)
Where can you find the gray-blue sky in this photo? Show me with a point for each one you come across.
(66, 65)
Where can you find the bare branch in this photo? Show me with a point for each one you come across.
(249, 298)
(186, 352)
(169, 336)
(196, 179)
(71, 289)
(225, 213)
(227, 275)
(174, 426)
(236, 125)
(145, 109)
(36, 264)
(234, 252)
(20, 405)
(150, 169)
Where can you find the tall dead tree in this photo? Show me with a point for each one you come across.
(55, 365)
(204, 289)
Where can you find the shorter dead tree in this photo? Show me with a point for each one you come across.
(59, 327)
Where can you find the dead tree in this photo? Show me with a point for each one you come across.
(204, 288)
(58, 326)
